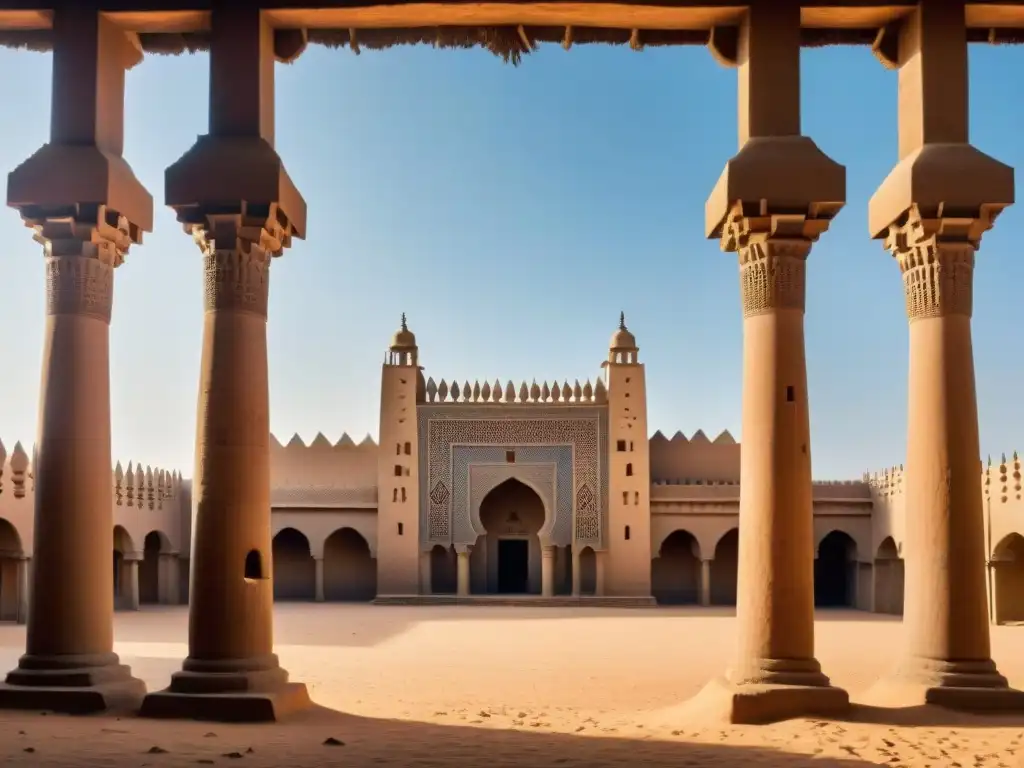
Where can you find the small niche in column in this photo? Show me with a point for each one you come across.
(253, 565)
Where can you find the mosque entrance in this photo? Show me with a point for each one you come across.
(513, 566)
(506, 558)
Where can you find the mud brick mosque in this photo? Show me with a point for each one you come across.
(506, 492)
(514, 492)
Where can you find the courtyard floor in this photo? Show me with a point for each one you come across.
(496, 686)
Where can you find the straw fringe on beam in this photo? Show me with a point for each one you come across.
(510, 43)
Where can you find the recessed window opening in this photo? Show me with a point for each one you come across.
(790, 394)
(510, 457)
(629, 470)
(401, 529)
(627, 533)
(408, 449)
(620, 445)
(398, 470)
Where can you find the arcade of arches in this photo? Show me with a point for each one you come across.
(682, 575)
(346, 571)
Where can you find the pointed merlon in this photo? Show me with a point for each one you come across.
(368, 442)
(679, 437)
(345, 441)
(19, 459)
(296, 442)
(320, 441)
(725, 438)
(699, 437)
(657, 435)
(274, 442)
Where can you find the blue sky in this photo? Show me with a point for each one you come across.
(503, 208)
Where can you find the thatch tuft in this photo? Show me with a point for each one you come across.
(510, 42)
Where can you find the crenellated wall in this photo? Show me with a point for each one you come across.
(526, 393)
(342, 466)
(145, 500)
(695, 460)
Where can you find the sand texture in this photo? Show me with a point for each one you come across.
(493, 686)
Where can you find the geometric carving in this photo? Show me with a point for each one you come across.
(438, 518)
(588, 522)
(442, 430)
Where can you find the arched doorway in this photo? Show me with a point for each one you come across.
(588, 571)
(1008, 588)
(154, 544)
(294, 566)
(125, 571)
(889, 578)
(675, 572)
(350, 572)
(724, 569)
(835, 574)
(11, 573)
(443, 571)
(506, 559)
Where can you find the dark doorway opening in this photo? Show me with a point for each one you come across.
(833, 571)
(513, 566)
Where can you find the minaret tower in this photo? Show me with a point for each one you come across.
(398, 550)
(628, 538)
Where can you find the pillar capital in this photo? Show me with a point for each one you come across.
(237, 248)
(82, 165)
(936, 258)
(941, 181)
(777, 174)
(773, 253)
(243, 172)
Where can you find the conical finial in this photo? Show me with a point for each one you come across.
(405, 327)
(622, 321)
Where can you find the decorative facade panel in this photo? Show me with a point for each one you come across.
(476, 470)
(443, 432)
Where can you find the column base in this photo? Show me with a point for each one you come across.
(75, 685)
(722, 701)
(233, 695)
(965, 686)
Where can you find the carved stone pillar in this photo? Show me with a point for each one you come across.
(931, 212)
(705, 582)
(24, 592)
(131, 583)
(319, 596)
(233, 195)
(87, 209)
(426, 587)
(547, 570)
(577, 577)
(462, 553)
(774, 199)
(169, 578)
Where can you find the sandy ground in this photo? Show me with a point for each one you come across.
(491, 686)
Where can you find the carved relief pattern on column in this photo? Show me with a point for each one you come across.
(773, 250)
(936, 258)
(82, 250)
(773, 274)
(237, 250)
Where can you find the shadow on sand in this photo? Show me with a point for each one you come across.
(324, 737)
